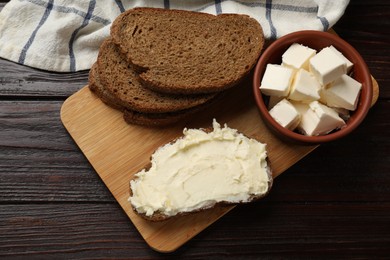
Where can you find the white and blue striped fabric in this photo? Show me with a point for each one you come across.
(64, 35)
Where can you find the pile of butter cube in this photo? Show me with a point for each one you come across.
(311, 92)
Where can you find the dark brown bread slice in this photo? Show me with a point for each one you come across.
(133, 117)
(153, 119)
(119, 78)
(95, 86)
(188, 52)
(164, 119)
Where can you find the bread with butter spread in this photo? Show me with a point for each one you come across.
(200, 170)
(176, 51)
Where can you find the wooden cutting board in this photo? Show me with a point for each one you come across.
(117, 151)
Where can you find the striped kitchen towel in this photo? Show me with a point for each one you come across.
(64, 35)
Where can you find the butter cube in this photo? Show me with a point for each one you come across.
(300, 107)
(348, 63)
(285, 114)
(327, 66)
(297, 56)
(276, 80)
(317, 119)
(305, 87)
(343, 92)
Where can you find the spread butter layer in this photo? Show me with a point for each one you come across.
(199, 170)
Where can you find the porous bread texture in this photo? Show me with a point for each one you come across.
(186, 52)
(96, 87)
(133, 117)
(122, 82)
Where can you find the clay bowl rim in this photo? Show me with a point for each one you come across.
(316, 40)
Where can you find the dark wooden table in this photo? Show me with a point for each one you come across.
(333, 203)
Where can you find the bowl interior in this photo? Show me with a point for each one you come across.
(316, 40)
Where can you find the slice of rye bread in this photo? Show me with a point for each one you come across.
(153, 120)
(119, 78)
(96, 87)
(179, 51)
(133, 117)
(160, 216)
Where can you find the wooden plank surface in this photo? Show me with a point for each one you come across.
(118, 150)
(95, 231)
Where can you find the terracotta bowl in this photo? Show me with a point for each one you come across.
(316, 40)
